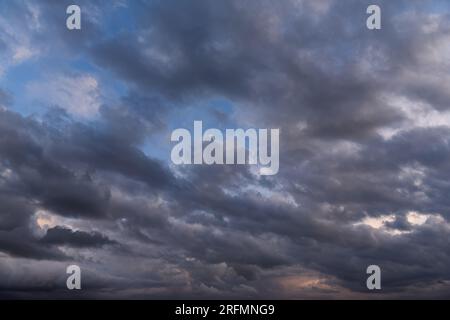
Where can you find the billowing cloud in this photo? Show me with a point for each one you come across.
(86, 178)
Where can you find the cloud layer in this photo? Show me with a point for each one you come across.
(85, 171)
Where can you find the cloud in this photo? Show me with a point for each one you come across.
(364, 151)
(64, 236)
(79, 95)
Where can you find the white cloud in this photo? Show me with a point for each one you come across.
(78, 95)
(22, 53)
(377, 222)
(18, 37)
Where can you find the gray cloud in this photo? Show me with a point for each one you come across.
(64, 236)
(364, 151)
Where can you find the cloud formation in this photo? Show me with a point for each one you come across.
(85, 172)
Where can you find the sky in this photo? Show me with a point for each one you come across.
(86, 176)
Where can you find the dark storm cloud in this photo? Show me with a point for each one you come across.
(20, 243)
(36, 174)
(313, 70)
(105, 152)
(246, 59)
(87, 149)
(141, 113)
(15, 212)
(64, 236)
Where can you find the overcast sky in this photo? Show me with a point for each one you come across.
(85, 171)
